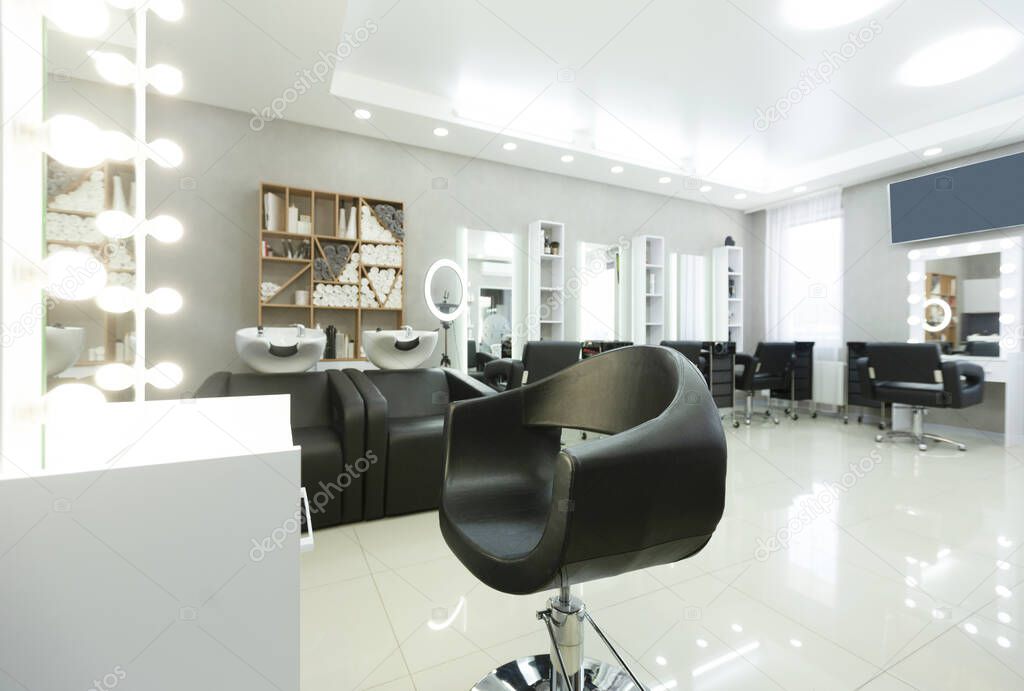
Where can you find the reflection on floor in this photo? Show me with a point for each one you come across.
(905, 572)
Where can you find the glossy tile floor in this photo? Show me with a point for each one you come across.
(840, 564)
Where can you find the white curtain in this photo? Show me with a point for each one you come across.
(804, 274)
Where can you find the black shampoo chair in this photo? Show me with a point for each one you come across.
(540, 359)
(770, 367)
(524, 514)
(914, 374)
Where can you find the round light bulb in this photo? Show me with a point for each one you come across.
(914, 254)
(914, 277)
(114, 67)
(116, 224)
(1007, 319)
(913, 321)
(1007, 268)
(73, 141)
(165, 79)
(116, 299)
(117, 145)
(164, 301)
(73, 275)
(168, 10)
(1006, 244)
(116, 376)
(942, 251)
(166, 153)
(1007, 293)
(165, 375)
(87, 18)
(67, 401)
(165, 228)
(913, 299)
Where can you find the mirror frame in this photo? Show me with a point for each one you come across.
(429, 278)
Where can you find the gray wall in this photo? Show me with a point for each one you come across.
(215, 195)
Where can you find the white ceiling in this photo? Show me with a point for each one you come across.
(661, 87)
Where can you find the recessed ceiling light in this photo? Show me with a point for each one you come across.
(796, 642)
(800, 189)
(701, 643)
(933, 151)
(705, 188)
(362, 114)
(740, 196)
(664, 180)
(823, 14)
(568, 158)
(958, 57)
(617, 169)
(509, 146)
(440, 131)
(1003, 642)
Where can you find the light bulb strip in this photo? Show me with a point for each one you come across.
(141, 31)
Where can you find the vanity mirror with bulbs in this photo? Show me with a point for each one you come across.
(966, 297)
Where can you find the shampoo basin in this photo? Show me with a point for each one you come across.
(64, 346)
(401, 349)
(280, 349)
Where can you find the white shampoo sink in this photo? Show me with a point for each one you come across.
(280, 349)
(401, 349)
(64, 346)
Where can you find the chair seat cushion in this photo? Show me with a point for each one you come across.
(910, 393)
(764, 381)
(322, 466)
(415, 464)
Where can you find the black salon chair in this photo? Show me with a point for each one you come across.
(540, 359)
(769, 368)
(405, 412)
(982, 348)
(327, 421)
(524, 514)
(692, 350)
(914, 374)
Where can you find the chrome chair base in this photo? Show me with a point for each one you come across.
(534, 673)
(918, 435)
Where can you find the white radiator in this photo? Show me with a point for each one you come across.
(829, 382)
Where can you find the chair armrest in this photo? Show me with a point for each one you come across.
(508, 372)
(461, 387)
(349, 417)
(481, 360)
(867, 384)
(215, 386)
(963, 393)
(375, 438)
(749, 365)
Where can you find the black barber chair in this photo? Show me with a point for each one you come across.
(914, 374)
(769, 368)
(540, 359)
(525, 515)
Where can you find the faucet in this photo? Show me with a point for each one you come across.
(301, 328)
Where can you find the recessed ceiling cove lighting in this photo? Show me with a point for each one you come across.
(617, 169)
(440, 131)
(823, 14)
(740, 196)
(509, 146)
(958, 57)
(568, 158)
(933, 151)
(800, 189)
(362, 114)
(664, 180)
(706, 188)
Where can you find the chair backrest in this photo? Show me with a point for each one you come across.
(917, 363)
(692, 350)
(983, 348)
(544, 358)
(309, 391)
(775, 358)
(412, 393)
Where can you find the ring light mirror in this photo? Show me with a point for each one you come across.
(937, 315)
(445, 290)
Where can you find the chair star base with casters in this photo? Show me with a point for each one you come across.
(770, 367)
(914, 374)
(525, 515)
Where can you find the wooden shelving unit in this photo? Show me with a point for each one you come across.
(101, 328)
(329, 225)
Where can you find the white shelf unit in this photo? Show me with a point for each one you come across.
(546, 281)
(649, 285)
(727, 295)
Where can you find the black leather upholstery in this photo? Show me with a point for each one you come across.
(914, 374)
(405, 412)
(501, 375)
(982, 348)
(543, 358)
(770, 367)
(523, 514)
(327, 421)
(692, 350)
